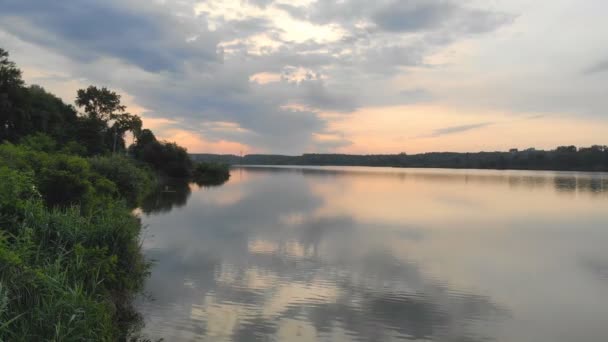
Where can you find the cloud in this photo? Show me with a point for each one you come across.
(87, 30)
(401, 16)
(457, 129)
(298, 12)
(191, 66)
(260, 3)
(598, 67)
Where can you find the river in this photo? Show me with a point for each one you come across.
(379, 254)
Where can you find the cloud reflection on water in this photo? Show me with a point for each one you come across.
(284, 254)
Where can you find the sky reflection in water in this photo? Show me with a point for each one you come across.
(341, 254)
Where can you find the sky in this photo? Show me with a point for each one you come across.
(344, 76)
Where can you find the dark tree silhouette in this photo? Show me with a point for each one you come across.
(100, 103)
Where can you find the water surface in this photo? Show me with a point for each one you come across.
(380, 254)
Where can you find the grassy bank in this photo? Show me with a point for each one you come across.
(70, 260)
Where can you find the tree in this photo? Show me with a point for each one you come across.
(167, 158)
(10, 75)
(126, 123)
(566, 149)
(102, 104)
(146, 137)
(30, 110)
(11, 86)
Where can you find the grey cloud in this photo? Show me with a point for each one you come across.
(401, 16)
(475, 21)
(601, 66)
(89, 29)
(259, 3)
(458, 129)
(319, 96)
(386, 58)
(313, 93)
(197, 99)
(170, 80)
(398, 34)
(298, 12)
(322, 11)
(232, 29)
(412, 16)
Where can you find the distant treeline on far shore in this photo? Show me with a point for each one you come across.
(563, 158)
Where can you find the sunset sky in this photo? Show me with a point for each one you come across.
(352, 76)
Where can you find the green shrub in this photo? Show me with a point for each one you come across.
(39, 142)
(64, 179)
(210, 173)
(133, 181)
(65, 275)
(168, 159)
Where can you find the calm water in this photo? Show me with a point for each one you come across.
(362, 254)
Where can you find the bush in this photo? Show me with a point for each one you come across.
(169, 159)
(64, 180)
(64, 276)
(39, 142)
(133, 181)
(210, 173)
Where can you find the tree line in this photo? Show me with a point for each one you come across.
(563, 158)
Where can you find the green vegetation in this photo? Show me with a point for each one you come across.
(70, 259)
(169, 159)
(210, 173)
(564, 158)
(65, 275)
(132, 179)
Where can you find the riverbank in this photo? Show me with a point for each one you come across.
(70, 259)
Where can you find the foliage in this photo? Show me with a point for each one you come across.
(39, 142)
(69, 253)
(567, 158)
(40, 116)
(132, 180)
(210, 173)
(65, 276)
(32, 110)
(93, 135)
(27, 110)
(10, 75)
(102, 104)
(62, 179)
(169, 159)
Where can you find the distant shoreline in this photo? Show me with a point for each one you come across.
(408, 168)
(565, 158)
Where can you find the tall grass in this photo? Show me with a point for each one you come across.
(66, 274)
